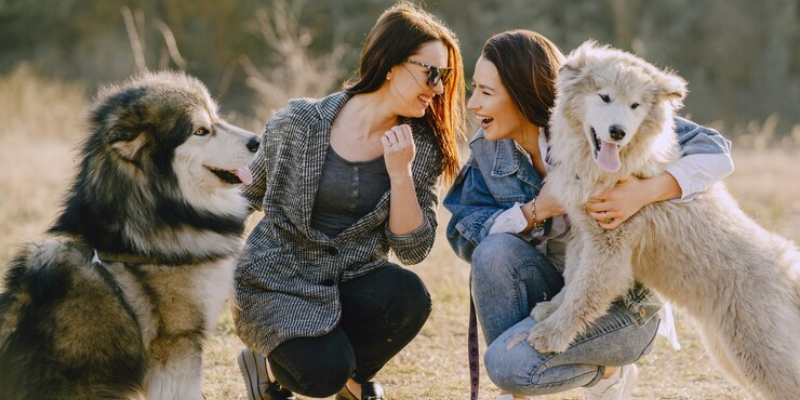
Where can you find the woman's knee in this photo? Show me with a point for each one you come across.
(315, 377)
(413, 303)
(506, 369)
(315, 367)
(651, 329)
(615, 339)
(499, 254)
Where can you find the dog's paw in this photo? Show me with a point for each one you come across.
(543, 310)
(545, 338)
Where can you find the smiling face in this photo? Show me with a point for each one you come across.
(491, 103)
(407, 82)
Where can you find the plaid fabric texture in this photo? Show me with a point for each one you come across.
(287, 278)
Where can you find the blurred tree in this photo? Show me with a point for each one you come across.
(741, 58)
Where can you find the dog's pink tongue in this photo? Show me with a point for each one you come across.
(608, 157)
(244, 175)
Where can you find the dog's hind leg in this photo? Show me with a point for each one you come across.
(720, 354)
(760, 345)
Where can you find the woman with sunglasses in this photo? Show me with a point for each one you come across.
(343, 181)
(509, 226)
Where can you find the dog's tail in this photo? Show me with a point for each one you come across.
(23, 288)
(13, 299)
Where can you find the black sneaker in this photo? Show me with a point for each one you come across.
(256, 378)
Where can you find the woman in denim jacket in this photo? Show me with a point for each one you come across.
(516, 261)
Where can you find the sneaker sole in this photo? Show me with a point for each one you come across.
(630, 381)
(248, 367)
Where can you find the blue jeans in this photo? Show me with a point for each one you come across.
(509, 276)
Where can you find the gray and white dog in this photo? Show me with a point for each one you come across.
(141, 260)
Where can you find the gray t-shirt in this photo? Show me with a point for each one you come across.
(348, 190)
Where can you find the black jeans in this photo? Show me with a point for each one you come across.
(381, 312)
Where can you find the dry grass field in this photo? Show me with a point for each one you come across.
(41, 127)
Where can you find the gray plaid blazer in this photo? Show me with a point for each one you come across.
(287, 278)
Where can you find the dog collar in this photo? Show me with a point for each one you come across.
(99, 257)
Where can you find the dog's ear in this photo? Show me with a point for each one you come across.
(671, 88)
(575, 62)
(569, 72)
(127, 147)
(119, 116)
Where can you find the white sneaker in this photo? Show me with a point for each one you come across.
(509, 396)
(258, 378)
(617, 387)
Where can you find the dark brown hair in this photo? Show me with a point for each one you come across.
(528, 65)
(398, 34)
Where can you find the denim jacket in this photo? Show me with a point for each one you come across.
(497, 175)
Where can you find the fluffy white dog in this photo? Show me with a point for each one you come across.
(614, 118)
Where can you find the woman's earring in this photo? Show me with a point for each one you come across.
(388, 78)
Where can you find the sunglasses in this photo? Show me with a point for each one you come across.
(435, 74)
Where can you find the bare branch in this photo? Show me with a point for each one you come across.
(133, 36)
(294, 71)
(172, 45)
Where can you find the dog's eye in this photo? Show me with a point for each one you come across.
(605, 98)
(634, 106)
(201, 132)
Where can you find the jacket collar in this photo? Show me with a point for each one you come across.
(508, 161)
(315, 145)
(328, 107)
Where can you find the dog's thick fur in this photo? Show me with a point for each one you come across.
(156, 199)
(739, 282)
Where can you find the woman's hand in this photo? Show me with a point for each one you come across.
(614, 206)
(398, 151)
(405, 212)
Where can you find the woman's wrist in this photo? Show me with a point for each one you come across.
(404, 177)
(538, 223)
(533, 215)
(540, 212)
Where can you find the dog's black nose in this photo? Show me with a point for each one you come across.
(253, 143)
(616, 131)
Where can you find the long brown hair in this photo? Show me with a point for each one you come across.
(528, 65)
(399, 33)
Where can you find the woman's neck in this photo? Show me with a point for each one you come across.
(528, 138)
(368, 114)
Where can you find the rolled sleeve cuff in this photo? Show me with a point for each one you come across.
(683, 181)
(509, 221)
(412, 247)
(475, 229)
